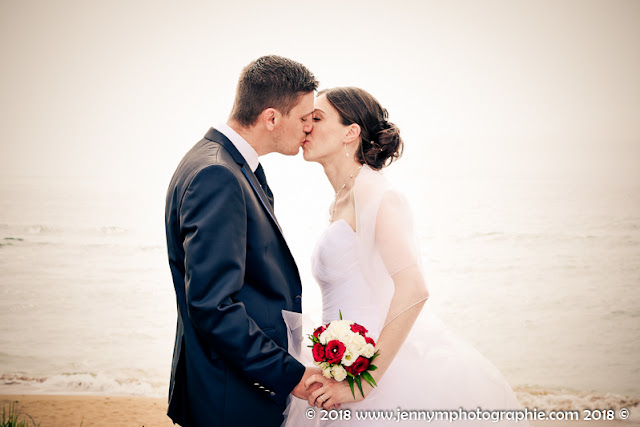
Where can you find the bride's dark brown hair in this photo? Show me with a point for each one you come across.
(380, 141)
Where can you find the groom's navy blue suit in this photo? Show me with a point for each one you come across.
(233, 274)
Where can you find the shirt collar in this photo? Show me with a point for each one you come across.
(246, 150)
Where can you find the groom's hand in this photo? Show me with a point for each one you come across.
(301, 391)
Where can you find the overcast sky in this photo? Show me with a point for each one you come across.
(120, 90)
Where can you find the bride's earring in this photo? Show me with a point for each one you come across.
(345, 149)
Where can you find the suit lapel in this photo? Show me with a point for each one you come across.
(214, 135)
(257, 188)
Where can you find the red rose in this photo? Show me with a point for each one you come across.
(335, 351)
(318, 331)
(359, 366)
(359, 329)
(370, 341)
(318, 352)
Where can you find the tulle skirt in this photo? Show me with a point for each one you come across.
(435, 379)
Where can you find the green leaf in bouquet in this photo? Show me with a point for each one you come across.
(372, 367)
(376, 354)
(340, 311)
(359, 384)
(368, 378)
(350, 381)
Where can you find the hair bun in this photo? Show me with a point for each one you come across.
(382, 125)
(386, 146)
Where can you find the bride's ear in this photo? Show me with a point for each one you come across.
(353, 132)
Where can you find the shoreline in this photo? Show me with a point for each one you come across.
(127, 411)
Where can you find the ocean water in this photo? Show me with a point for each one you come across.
(541, 276)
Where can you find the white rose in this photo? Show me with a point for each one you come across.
(348, 338)
(339, 328)
(328, 335)
(368, 350)
(339, 373)
(323, 337)
(353, 349)
(359, 342)
(349, 357)
(326, 372)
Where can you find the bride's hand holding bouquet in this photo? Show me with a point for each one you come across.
(342, 350)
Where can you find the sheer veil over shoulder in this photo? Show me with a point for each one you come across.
(355, 269)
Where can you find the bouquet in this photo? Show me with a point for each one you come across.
(343, 350)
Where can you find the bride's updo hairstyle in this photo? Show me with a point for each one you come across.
(380, 142)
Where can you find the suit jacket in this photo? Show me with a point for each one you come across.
(233, 274)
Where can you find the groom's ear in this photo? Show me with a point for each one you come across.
(269, 118)
(353, 132)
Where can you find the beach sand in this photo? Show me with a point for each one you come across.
(98, 411)
(116, 411)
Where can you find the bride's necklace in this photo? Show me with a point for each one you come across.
(335, 200)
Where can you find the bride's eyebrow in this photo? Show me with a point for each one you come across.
(317, 110)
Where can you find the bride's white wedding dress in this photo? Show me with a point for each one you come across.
(433, 370)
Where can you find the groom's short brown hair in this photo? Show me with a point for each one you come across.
(270, 82)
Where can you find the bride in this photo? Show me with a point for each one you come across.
(368, 267)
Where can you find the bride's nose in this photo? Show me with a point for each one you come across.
(308, 127)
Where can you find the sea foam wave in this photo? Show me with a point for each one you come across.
(44, 229)
(81, 383)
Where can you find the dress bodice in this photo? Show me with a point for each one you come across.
(344, 289)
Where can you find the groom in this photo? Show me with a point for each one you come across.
(232, 270)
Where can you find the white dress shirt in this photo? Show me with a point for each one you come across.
(247, 151)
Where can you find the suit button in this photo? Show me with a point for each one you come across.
(272, 394)
(298, 298)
